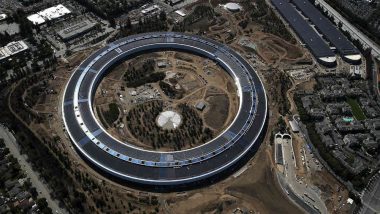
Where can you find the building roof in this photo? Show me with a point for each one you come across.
(150, 9)
(12, 48)
(36, 19)
(318, 47)
(325, 26)
(76, 29)
(48, 14)
(173, 2)
(232, 6)
(200, 105)
(294, 126)
(3, 16)
(180, 12)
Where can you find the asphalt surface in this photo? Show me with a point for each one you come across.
(42, 189)
(295, 198)
(305, 192)
(371, 197)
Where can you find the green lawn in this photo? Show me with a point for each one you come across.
(356, 110)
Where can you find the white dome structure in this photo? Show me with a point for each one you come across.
(168, 120)
(233, 7)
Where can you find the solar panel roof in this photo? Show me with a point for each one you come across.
(326, 27)
(307, 34)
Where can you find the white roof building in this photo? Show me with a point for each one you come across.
(3, 16)
(36, 19)
(180, 12)
(12, 49)
(150, 9)
(233, 7)
(3, 54)
(50, 13)
(294, 126)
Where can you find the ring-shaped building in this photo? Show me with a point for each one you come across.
(133, 164)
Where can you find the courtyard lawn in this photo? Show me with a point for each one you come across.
(356, 110)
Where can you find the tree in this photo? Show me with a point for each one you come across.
(43, 206)
(163, 16)
(112, 22)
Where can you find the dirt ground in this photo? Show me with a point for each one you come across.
(261, 187)
(200, 79)
(254, 191)
(274, 49)
(334, 193)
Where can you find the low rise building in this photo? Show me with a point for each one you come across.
(3, 16)
(12, 48)
(49, 14)
(76, 30)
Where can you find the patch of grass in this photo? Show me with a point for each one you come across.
(356, 110)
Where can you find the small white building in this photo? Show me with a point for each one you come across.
(233, 7)
(3, 16)
(150, 10)
(181, 13)
(294, 126)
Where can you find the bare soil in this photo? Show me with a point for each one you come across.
(217, 113)
(199, 79)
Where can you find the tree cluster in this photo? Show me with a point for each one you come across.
(137, 76)
(142, 124)
(264, 15)
(151, 24)
(112, 8)
(171, 91)
(199, 12)
(359, 181)
(112, 114)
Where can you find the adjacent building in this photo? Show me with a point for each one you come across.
(12, 48)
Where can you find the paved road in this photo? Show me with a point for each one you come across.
(371, 196)
(354, 32)
(308, 193)
(41, 188)
(295, 198)
(375, 79)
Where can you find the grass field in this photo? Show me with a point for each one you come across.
(356, 110)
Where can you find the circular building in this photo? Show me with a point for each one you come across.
(126, 162)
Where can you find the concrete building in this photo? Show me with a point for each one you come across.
(12, 48)
(76, 30)
(200, 105)
(150, 10)
(294, 126)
